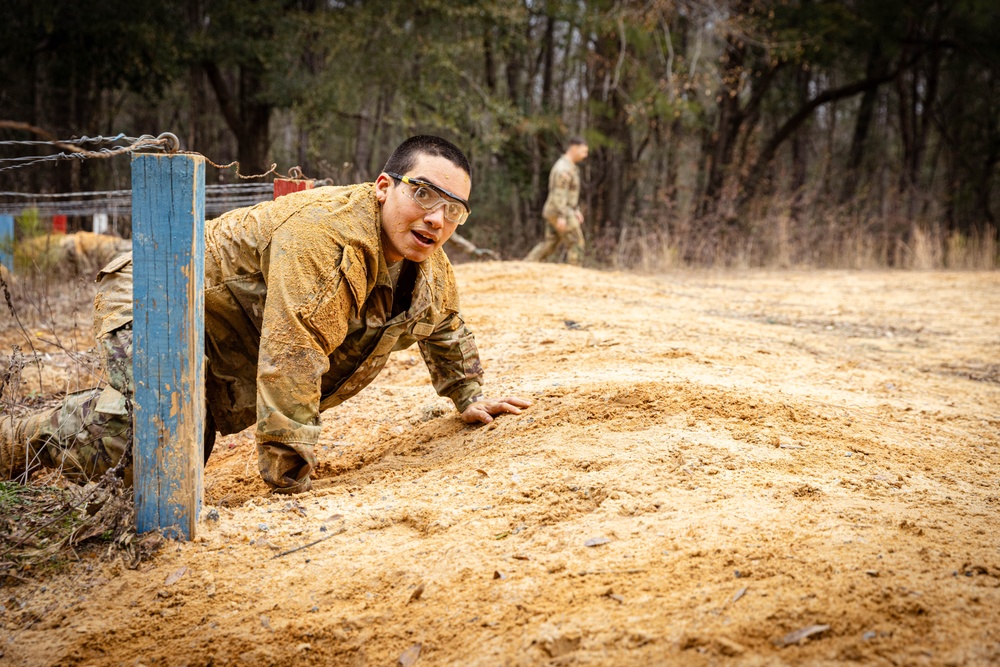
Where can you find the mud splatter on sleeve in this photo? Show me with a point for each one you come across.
(305, 319)
(453, 361)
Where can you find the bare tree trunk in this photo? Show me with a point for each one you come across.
(876, 66)
(727, 127)
(363, 143)
(800, 150)
(247, 116)
(489, 60)
(548, 55)
(611, 163)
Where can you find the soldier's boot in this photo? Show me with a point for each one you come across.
(22, 444)
(13, 448)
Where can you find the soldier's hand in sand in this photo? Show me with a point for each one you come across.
(485, 409)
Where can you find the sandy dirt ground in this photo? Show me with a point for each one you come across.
(747, 468)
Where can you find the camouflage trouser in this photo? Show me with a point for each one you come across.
(89, 432)
(572, 237)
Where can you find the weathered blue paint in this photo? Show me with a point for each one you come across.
(7, 241)
(168, 243)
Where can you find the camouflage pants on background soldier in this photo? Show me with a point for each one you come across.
(572, 237)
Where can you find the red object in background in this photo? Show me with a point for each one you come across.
(59, 224)
(284, 186)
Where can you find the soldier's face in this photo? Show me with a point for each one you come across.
(408, 230)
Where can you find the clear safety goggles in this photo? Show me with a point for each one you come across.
(429, 197)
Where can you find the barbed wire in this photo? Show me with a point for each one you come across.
(222, 187)
(218, 199)
(72, 142)
(272, 170)
(145, 141)
(166, 139)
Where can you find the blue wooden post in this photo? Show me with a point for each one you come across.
(168, 245)
(7, 242)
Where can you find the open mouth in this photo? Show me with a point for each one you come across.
(425, 240)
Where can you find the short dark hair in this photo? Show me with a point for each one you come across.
(575, 140)
(405, 155)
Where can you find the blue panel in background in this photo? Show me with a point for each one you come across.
(7, 241)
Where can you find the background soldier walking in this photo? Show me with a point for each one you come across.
(562, 207)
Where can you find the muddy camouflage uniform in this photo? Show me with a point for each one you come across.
(300, 315)
(563, 202)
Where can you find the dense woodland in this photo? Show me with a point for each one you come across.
(722, 132)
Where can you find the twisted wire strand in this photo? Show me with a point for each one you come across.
(72, 142)
(218, 199)
(209, 189)
(135, 143)
(272, 170)
(145, 141)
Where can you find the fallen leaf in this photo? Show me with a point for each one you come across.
(740, 593)
(520, 557)
(175, 576)
(415, 595)
(410, 655)
(482, 472)
(596, 541)
(871, 573)
(801, 635)
(499, 575)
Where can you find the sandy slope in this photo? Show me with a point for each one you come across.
(755, 453)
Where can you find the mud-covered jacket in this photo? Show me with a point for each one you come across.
(300, 313)
(564, 190)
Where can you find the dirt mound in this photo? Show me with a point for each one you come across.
(719, 468)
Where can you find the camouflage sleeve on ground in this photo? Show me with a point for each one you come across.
(453, 361)
(305, 319)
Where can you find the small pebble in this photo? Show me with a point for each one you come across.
(212, 515)
(849, 454)
(262, 527)
(868, 636)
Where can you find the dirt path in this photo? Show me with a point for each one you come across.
(714, 461)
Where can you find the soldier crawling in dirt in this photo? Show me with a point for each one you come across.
(305, 297)
(562, 207)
